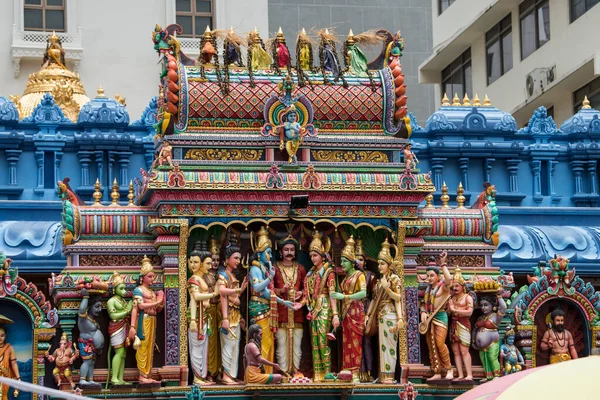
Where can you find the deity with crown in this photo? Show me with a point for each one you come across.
(119, 311)
(460, 307)
(146, 305)
(291, 133)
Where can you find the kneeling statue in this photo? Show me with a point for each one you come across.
(255, 361)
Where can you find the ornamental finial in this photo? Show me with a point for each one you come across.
(445, 198)
(97, 193)
(115, 194)
(460, 198)
(486, 101)
(476, 101)
(466, 101)
(429, 201)
(456, 100)
(131, 196)
(100, 92)
(445, 100)
(585, 104)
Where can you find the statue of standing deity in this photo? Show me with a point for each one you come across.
(91, 339)
(289, 285)
(8, 360)
(291, 134)
(434, 320)
(199, 263)
(119, 311)
(460, 307)
(367, 361)
(486, 338)
(147, 304)
(387, 313)
(354, 289)
(230, 291)
(63, 358)
(213, 312)
(263, 300)
(319, 286)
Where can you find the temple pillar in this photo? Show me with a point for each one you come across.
(437, 166)
(85, 158)
(57, 160)
(12, 157)
(39, 159)
(124, 160)
(111, 159)
(536, 167)
(577, 167)
(512, 165)
(489, 164)
(592, 166)
(463, 165)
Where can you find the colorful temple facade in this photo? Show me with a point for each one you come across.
(245, 155)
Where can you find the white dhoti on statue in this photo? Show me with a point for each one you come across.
(230, 350)
(282, 347)
(199, 352)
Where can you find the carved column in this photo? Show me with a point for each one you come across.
(536, 167)
(124, 159)
(437, 166)
(57, 159)
(512, 165)
(592, 172)
(578, 167)
(489, 163)
(99, 159)
(12, 157)
(112, 156)
(85, 158)
(463, 164)
(39, 159)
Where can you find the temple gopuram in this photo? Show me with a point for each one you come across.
(283, 237)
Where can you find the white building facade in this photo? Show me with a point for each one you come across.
(521, 53)
(109, 42)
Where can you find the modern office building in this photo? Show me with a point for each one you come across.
(522, 54)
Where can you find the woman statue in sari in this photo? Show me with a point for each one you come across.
(319, 286)
(230, 291)
(387, 309)
(8, 360)
(199, 263)
(486, 338)
(147, 304)
(354, 288)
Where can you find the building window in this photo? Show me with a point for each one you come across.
(456, 77)
(44, 15)
(443, 4)
(498, 42)
(194, 16)
(535, 25)
(592, 91)
(579, 7)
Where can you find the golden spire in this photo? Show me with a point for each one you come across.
(53, 37)
(460, 198)
(476, 101)
(445, 198)
(100, 92)
(231, 29)
(429, 201)
(303, 31)
(97, 193)
(466, 101)
(280, 37)
(445, 100)
(327, 31)
(131, 196)
(115, 194)
(349, 250)
(585, 103)
(456, 100)
(486, 101)
(207, 33)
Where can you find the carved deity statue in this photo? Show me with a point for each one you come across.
(486, 338)
(386, 311)
(558, 340)
(319, 286)
(354, 289)
(213, 311)
(410, 159)
(460, 308)
(434, 320)
(91, 338)
(230, 291)
(291, 134)
(165, 155)
(263, 298)
(63, 358)
(147, 304)
(367, 361)
(119, 311)
(510, 357)
(289, 285)
(8, 360)
(255, 360)
(55, 54)
(199, 263)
